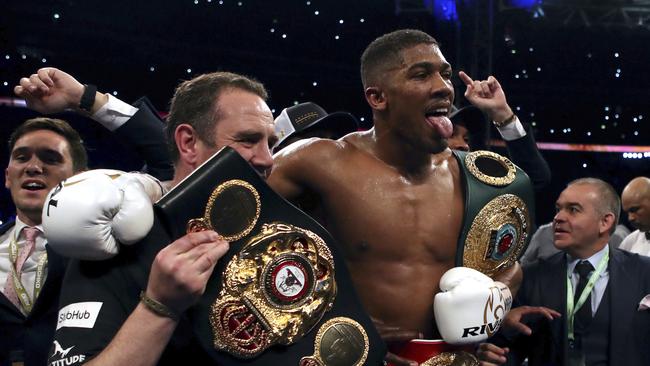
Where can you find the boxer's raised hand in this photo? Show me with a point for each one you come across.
(181, 270)
(488, 96)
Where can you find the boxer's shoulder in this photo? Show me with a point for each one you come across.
(324, 151)
(310, 148)
(308, 161)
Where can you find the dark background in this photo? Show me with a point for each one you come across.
(558, 62)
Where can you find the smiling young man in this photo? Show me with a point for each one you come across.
(40, 159)
(392, 196)
(43, 152)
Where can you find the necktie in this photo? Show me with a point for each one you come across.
(583, 316)
(647, 235)
(25, 252)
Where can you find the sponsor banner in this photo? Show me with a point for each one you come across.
(79, 315)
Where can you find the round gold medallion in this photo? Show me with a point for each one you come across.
(232, 210)
(339, 342)
(491, 168)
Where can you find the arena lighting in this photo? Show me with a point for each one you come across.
(525, 4)
(13, 102)
(442, 9)
(634, 152)
(636, 155)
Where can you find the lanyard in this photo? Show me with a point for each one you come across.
(23, 296)
(571, 310)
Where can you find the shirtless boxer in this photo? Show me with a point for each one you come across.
(392, 195)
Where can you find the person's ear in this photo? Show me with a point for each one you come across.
(606, 223)
(376, 98)
(187, 143)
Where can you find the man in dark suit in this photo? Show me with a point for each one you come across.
(603, 286)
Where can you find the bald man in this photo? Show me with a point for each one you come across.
(636, 202)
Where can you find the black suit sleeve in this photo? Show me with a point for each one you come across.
(144, 132)
(524, 153)
(520, 345)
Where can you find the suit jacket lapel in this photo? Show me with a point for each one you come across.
(621, 277)
(554, 291)
(49, 293)
(5, 304)
(52, 286)
(8, 307)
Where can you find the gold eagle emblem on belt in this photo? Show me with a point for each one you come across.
(274, 291)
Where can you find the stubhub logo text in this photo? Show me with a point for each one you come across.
(79, 315)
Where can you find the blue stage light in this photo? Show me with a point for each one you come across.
(526, 4)
(442, 9)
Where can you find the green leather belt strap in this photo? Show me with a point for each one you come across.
(499, 211)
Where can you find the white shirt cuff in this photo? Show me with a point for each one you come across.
(512, 131)
(114, 113)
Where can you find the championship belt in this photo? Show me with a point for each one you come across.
(428, 352)
(499, 212)
(282, 294)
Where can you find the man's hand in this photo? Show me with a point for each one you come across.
(488, 96)
(392, 334)
(181, 270)
(491, 355)
(516, 318)
(51, 90)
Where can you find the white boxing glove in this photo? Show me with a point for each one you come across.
(470, 306)
(87, 215)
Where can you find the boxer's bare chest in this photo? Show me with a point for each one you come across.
(377, 213)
